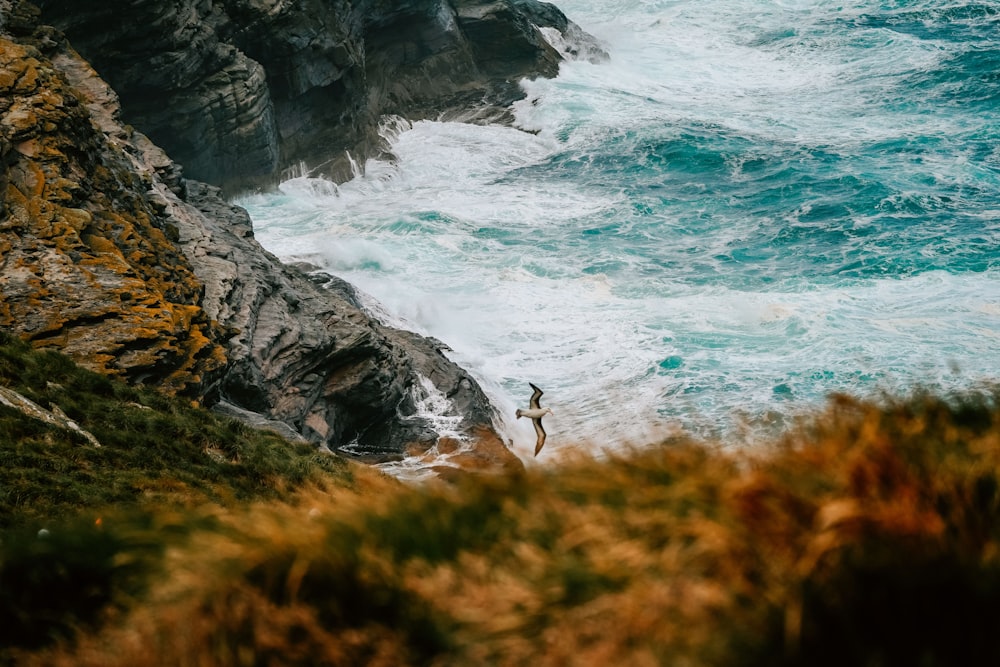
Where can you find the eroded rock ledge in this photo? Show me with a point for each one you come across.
(243, 91)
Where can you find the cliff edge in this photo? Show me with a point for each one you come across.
(108, 253)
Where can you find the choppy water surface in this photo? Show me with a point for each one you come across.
(752, 205)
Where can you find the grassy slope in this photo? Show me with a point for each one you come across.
(160, 456)
(156, 449)
(871, 537)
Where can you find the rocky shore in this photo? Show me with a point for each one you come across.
(109, 253)
(243, 91)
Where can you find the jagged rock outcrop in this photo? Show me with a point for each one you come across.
(240, 91)
(86, 262)
(109, 254)
(304, 352)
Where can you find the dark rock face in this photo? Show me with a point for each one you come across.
(108, 254)
(239, 90)
(307, 355)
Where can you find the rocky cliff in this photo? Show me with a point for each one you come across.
(241, 91)
(108, 253)
(88, 263)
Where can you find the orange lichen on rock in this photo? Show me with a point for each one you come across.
(85, 266)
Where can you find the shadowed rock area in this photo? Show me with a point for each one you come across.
(109, 254)
(242, 91)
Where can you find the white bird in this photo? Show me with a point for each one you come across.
(535, 414)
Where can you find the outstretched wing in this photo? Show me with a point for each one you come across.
(541, 435)
(535, 395)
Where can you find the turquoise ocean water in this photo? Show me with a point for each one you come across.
(752, 205)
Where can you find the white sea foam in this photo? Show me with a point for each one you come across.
(535, 261)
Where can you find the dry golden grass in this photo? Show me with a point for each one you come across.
(869, 537)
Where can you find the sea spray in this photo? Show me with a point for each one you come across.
(750, 206)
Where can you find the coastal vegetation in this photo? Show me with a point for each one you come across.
(156, 451)
(139, 528)
(868, 535)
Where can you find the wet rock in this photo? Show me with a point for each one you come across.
(307, 355)
(244, 92)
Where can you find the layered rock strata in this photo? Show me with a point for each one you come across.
(109, 254)
(87, 263)
(243, 91)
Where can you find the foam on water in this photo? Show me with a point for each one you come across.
(752, 205)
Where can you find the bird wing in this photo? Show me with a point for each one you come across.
(541, 435)
(535, 395)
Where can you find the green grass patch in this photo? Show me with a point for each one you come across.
(82, 528)
(156, 449)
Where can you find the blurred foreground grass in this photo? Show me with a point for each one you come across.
(868, 537)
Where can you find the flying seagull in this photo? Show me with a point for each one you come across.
(535, 413)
